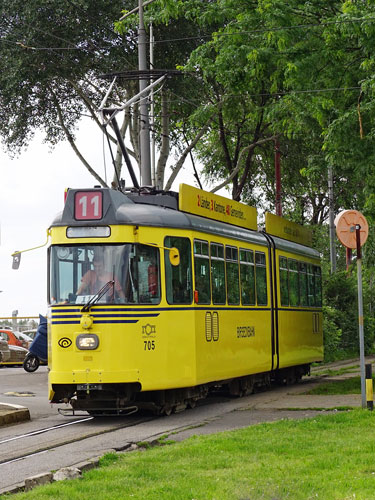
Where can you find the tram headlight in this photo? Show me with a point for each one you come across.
(87, 341)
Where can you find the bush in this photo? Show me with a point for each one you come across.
(331, 334)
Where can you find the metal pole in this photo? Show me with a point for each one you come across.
(332, 240)
(360, 316)
(152, 120)
(144, 135)
(348, 258)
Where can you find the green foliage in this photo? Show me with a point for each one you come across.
(331, 334)
(51, 54)
(340, 294)
(341, 337)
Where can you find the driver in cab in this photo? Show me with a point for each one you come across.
(94, 279)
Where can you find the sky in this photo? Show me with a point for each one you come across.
(32, 193)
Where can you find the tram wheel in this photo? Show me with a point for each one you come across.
(192, 403)
(166, 410)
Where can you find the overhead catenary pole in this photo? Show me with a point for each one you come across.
(332, 240)
(152, 120)
(144, 135)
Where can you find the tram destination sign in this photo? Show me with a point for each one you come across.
(199, 202)
(283, 228)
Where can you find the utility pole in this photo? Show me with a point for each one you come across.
(332, 235)
(152, 121)
(144, 136)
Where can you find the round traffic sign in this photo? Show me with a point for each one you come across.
(346, 222)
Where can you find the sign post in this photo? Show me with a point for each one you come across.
(352, 231)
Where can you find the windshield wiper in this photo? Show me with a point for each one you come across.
(98, 296)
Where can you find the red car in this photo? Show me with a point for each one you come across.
(9, 336)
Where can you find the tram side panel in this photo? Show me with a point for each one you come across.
(233, 338)
(300, 329)
(232, 343)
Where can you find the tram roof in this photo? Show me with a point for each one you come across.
(161, 211)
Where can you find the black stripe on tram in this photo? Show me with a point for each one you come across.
(274, 332)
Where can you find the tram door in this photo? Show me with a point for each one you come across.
(272, 279)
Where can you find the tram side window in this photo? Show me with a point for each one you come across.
(310, 286)
(202, 272)
(318, 285)
(247, 279)
(233, 285)
(218, 273)
(178, 278)
(293, 282)
(142, 282)
(303, 283)
(284, 285)
(261, 278)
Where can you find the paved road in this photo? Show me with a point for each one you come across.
(72, 444)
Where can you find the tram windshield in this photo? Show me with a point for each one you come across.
(77, 273)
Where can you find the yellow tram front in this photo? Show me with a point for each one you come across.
(107, 316)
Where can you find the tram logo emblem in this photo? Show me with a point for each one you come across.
(64, 342)
(148, 329)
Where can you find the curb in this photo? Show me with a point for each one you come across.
(10, 414)
(50, 477)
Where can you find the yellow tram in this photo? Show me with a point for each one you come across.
(133, 323)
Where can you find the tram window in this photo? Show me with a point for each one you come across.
(218, 273)
(202, 272)
(142, 281)
(178, 278)
(77, 273)
(303, 283)
(284, 287)
(233, 285)
(318, 285)
(247, 277)
(310, 286)
(293, 282)
(261, 278)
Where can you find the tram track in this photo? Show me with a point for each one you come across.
(31, 450)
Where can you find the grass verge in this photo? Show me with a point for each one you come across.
(346, 386)
(335, 373)
(327, 457)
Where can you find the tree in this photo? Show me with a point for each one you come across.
(52, 54)
(291, 70)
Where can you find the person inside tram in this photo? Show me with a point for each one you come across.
(94, 279)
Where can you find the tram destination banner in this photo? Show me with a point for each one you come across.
(283, 228)
(213, 206)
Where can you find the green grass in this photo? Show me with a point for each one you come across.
(336, 373)
(345, 386)
(331, 457)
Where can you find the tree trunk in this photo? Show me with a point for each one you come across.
(164, 151)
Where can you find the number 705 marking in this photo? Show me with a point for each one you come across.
(149, 345)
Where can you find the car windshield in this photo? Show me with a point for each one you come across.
(77, 273)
